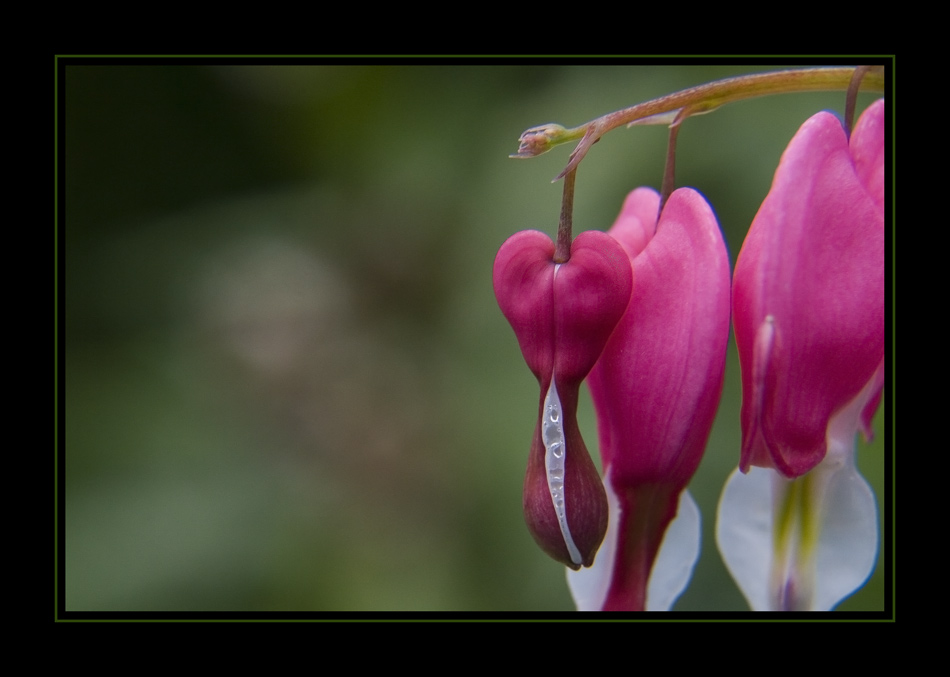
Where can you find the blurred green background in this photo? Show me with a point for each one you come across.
(287, 383)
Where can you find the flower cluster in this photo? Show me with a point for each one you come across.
(643, 313)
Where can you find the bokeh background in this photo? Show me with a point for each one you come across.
(287, 384)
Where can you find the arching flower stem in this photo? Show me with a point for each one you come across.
(695, 100)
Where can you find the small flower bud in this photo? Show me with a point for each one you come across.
(539, 140)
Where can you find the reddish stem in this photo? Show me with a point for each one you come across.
(562, 248)
(850, 100)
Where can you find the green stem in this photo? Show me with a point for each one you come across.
(701, 99)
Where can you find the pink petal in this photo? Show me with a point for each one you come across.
(562, 314)
(812, 265)
(592, 291)
(867, 149)
(657, 385)
(523, 277)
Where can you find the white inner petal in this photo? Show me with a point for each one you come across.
(677, 556)
(744, 533)
(847, 542)
(847, 547)
(555, 453)
(671, 572)
(589, 586)
(841, 503)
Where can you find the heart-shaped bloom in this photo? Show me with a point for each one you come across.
(656, 388)
(808, 309)
(562, 314)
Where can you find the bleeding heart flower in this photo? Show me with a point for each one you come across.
(808, 308)
(562, 314)
(656, 388)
